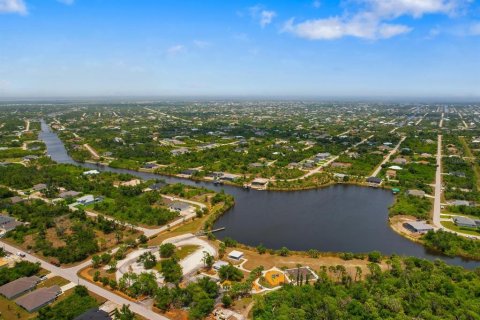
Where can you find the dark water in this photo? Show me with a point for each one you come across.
(340, 218)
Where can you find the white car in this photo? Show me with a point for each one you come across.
(21, 254)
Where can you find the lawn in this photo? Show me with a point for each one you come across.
(185, 251)
(53, 281)
(452, 226)
(10, 310)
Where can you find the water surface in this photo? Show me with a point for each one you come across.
(339, 218)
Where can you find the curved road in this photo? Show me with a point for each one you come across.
(71, 275)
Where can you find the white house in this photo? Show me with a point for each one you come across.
(237, 255)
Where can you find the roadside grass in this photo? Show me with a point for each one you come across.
(185, 251)
(448, 215)
(10, 310)
(469, 154)
(452, 226)
(53, 281)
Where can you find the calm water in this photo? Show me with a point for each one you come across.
(340, 218)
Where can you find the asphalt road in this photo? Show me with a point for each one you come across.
(438, 186)
(71, 275)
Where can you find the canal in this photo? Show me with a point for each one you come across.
(340, 218)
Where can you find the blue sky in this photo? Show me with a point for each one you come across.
(346, 48)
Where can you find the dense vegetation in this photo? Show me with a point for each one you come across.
(21, 269)
(450, 244)
(410, 289)
(69, 308)
(411, 205)
(73, 231)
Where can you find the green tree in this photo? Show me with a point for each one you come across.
(124, 313)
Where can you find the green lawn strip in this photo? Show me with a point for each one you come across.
(452, 226)
(10, 310)
(185, 251)
(53, 281)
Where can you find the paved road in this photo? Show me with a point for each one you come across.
(437, 206)
(387, 158)
(440, 124)
(194, 261)
(71, 275)
(92, 152)
(168, 115)
(320, 168)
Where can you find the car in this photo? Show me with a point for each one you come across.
(43, 278)
(21, 254)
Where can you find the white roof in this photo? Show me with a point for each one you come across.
(395, 168)
(91, 172)
(219, 264)
(88, 197)
(235, 254)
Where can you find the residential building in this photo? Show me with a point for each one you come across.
(18, 287)
(94, 314)
(418, 226)
(182, 207)
(464, 222)
(69, 194)
(416, 193)
(461, 203)
(236, 255)
(39, 187)
(39, 298)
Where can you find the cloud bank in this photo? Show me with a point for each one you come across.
(373, 20)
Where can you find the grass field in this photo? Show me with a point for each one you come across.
(9, 310)
(452, 226)
(185, 251)
(53, 281)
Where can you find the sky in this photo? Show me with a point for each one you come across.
(283, 48)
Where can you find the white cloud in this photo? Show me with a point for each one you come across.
(266, 17)
(263, 16)
(335, 28)
(13, 6)
(201, 44)
(415, 8)
(373, 19)
(474, 29)
(176, 50)
(67, 2)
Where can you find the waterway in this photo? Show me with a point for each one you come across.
(340, 218)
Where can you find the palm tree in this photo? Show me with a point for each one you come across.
(124, 313)
(358, 273)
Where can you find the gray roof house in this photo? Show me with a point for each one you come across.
(182, 207)
(39, 187)
(94, 314)
(8, 223)
(374, 180)
(464, 222)
(68, 194)
(18, 287)
(16, 199)
(39, 298)
(418, 226)
(461, 203)
(416, 193)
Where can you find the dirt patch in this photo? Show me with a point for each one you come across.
(397, 224)
(269, 261)
(275, 278)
